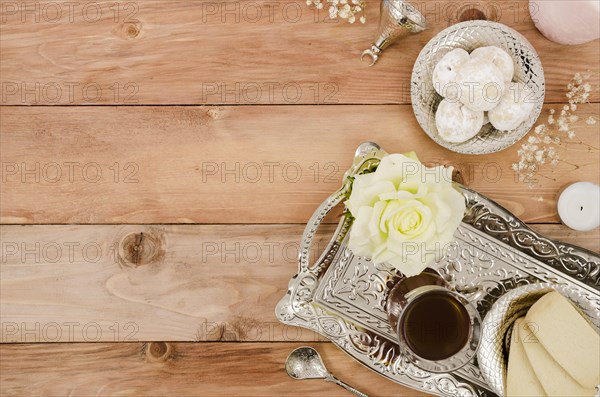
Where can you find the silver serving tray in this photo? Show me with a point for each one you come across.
(342, 296)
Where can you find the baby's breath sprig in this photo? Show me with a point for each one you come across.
(344, 9)
(542, 146)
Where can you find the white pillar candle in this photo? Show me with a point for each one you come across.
(579, 206)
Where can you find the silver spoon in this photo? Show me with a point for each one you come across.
(305, 363)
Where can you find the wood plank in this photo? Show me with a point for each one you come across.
(182, 52)
(183, 369)
(108, 283)
(246, 164)
(202, 282)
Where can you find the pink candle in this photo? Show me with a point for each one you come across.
(567, 21)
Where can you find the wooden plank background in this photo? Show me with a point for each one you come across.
(248, 164)
(147, 219)
(235, 52)
(183, 369)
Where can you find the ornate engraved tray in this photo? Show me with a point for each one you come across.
(342, 296)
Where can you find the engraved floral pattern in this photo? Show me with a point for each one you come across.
(493, 251)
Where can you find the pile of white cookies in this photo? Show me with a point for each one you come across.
(478, 88)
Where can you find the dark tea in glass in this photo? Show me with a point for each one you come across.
(437, 327)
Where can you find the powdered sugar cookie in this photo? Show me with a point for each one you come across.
(444, 72)
(514, 107)
(457, 123)
(481, 84)
(498, 57)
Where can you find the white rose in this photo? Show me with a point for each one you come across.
(405, 213)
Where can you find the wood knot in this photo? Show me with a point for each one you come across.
(130, 30)
(213, 114)
(471, 13)
(158, 351)
(138, 249)
(457, 176)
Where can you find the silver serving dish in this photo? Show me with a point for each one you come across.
(499, 320)
(342, 296)
(470, 35)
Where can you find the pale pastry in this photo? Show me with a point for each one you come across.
(498, 57)
(514, 107)
(457, 123)
(481, 84)
(444, 72)
(521, 380)
(569, 339)
(554, 379)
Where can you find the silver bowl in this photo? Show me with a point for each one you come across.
(470, 35)
(498, 322)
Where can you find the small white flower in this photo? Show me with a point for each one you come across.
(550, 135)
(539, 156)
(344, 12)
(332, 12)
(343, 9)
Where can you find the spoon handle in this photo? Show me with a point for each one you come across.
(333, 379)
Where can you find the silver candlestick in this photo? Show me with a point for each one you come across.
(398, 19)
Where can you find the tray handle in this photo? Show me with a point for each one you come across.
(312, 226)
(367, 154)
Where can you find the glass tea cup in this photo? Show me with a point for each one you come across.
(438, 328)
